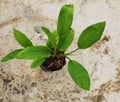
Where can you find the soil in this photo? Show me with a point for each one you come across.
(54, 63)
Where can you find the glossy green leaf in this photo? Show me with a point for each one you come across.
(91, 35)
(79, 74)
(65, 20)
(55, 37)
(37, 62)
(11, 55)
(65, 42)
(34, 52)
(22, 39)
(51, 36)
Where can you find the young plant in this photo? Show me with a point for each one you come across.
(53, 56)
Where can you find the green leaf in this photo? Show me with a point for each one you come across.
(11, 55)
(79, 74)
(22, 39)
(65, 20)
(51, 36)
(65, 42)
(34, 52)
(37, 62)
(91, 35)
(54, 35)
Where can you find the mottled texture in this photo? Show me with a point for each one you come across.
(20, 83)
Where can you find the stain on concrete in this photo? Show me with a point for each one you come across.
(20, 83)
(101, 42)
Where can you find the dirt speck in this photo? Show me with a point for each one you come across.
(17, 91)
(106, 38)
(98, 98)
(118, 71)
(118, 74)
(6, 81)
(106, 51)
(101, 42)
(104, 89)
(33, 84)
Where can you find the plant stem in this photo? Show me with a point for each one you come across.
(55, 51)
(72, 51)
(68, 58)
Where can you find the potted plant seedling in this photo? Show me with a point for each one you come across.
(52, 56)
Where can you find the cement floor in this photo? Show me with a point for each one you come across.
(20, 83)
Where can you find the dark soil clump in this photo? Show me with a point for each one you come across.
(53, 63)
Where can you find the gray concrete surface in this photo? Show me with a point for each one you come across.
(20, 83)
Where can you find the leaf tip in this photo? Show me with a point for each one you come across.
(87, 88)
(42, 27)
(69, 5)
(104, 23)
(14, 30)
(33, 66)
(2, 60)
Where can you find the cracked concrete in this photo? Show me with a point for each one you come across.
(20, 83)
